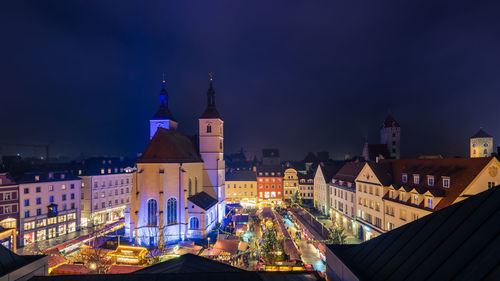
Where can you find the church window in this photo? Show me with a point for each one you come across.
(485, 152)
(190, 187)
(194, 223)
(220, 145)
(152, 212)
(195, 185)
(209, 128)
(171, 211)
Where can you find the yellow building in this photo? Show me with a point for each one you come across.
(290, 183)
(371, 183)
(423, 186)
(481, 144)
(241, 186)
(306, 188)
(393, 193)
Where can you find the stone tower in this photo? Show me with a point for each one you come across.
(390, 134)
(163, 118)
(212, 148)
(481, 144)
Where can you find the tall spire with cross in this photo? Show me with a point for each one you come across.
(211, 91)
(163, 92)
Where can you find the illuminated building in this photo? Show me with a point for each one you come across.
(49, 205)
(240, 185)
(481, 144)
(270, 183)
(290, 184)
(106, 187)
(322, 177)
(343, 196)
(9, 207)
(392, 193)
(178, 189)
(306, 188)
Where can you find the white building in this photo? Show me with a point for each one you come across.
(343, 196)
(322, 177)
(49, 205)
(106, 187)
(178, 188)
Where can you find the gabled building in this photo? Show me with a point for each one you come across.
(342, 190)
(322, 177)
(371, 185)
(175, 173)
(306, 188)
(290, 184)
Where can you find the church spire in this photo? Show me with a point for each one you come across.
(211, 91)
(163, 92)
(210, 111)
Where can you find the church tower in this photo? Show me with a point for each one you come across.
(481, 144)
(163, 118)
(212, 148)
(390, 134)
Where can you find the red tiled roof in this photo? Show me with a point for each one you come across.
(461, 172)
(349, 171)
(170, 146)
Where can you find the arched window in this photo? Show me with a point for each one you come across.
(152, 212)
(220, 145)
(209, 128)
(194, 223)
(195, 185)
(190, 186)
(171, 211)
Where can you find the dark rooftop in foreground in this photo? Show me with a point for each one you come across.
(9, 261)
(460, 242)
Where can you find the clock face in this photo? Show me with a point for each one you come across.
(485, 144)
(473, 145)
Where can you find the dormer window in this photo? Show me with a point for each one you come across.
(415, 199)
(209, 128)
(446, 182)
(430, 180)
(416, 179)
(404, 178)
(430, 203)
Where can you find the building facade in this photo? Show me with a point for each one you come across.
(9, 202)
(178, 189)
(322, 177)
(343, 197)
(106, 187)
(306, 188)
(290, 184)
(481, 144)
(50, 205)
(241, 186)
(270, 183)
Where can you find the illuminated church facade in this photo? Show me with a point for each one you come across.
(178, 188)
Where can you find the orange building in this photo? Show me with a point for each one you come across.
(270, 183)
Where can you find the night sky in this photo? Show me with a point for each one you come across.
(298, 75)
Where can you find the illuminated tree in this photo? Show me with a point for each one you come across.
(270, 245)
(296, 199)
(336, 235)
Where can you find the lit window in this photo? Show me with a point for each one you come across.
(404, 178)
(446, 182)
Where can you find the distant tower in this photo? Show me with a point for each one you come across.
(481, 144)
(163, 117)
(390, 134)
(212, 147)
